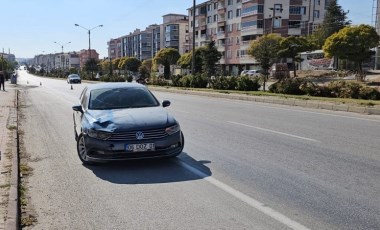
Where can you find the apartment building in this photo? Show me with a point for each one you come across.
(233, 24)
(144, 44)
(115, 48)
(64, 60)
(85, 55)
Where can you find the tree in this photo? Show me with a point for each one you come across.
(91, 65)
(130, 64)
(145, 68)
(166, 57)
(115, 63)
(185, 60)
(265, 50)
(210, 56)
(291, 46)
(353, 43)
(334, 20)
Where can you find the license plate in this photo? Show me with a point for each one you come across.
(140, 147)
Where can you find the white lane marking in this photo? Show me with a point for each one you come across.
(273, 131)
(246, 199)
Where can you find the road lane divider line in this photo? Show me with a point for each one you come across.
(273, 131)
(246, 199)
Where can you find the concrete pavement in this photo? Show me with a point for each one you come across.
(8, 163)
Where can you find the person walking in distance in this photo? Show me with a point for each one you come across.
(2, 80)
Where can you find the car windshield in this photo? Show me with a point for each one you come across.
(120, 98)
(74, 77)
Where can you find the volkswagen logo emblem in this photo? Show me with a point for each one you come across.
(139, 135)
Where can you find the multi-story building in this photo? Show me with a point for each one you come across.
(143, 45)
(233, 24)
(175, 32)
(8, 56)
(85, 55)
(63, 60)
(115, 48)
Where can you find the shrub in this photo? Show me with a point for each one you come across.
(245, 83)
(194, 81)
(176, 80)
(287, 86)
(112, 78)
(369, 93)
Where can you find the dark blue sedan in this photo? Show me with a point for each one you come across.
(120, 121)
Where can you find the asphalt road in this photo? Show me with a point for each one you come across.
(245, 165)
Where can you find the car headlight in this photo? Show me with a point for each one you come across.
(99, 134)
(172, 129)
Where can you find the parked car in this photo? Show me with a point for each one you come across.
(73, 78)
(121, 121)
(250, 73)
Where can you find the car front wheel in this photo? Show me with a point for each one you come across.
(82, 151)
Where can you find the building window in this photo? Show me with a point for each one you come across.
(294, 24)
(230, 14)
(215, 18)
(317, 2)
(316, 13)
(237, 40)
(298, 10)
(229, 54)
(248, 24)
(209, 7)
(255, 9)
(229, 28)
(277, 23)
(238, 13)
(209, 19)
(230, 2)
(215, 5)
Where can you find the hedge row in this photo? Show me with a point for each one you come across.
(337, 89)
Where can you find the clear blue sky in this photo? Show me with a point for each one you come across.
(30, 27)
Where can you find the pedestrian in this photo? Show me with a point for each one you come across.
(2, 80)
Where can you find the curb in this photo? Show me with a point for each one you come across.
(13, 210)
(280, 101)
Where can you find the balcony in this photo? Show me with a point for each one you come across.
(252, 30)
(221, 35)
(294, 31)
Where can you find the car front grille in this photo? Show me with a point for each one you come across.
(131, 136)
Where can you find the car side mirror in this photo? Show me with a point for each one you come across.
(165, 103)
(78, 108)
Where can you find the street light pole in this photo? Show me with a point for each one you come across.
(89, 43)
(62, 45)
(193, 56)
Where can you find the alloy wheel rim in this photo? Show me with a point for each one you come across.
(82, 149)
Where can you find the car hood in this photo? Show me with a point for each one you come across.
(121, 120)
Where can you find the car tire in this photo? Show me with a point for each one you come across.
(82, 152)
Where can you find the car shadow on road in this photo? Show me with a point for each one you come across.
(152, 171)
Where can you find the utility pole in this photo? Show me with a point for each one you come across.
(193, 56)
(274, 16)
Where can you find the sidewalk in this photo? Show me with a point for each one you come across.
(8, 149)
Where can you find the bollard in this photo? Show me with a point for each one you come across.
(40, 83)
(71, 87)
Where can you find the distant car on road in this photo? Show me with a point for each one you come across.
(121, 121)
(73, 78)
(250, 73)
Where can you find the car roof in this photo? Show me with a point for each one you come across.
(115, 85)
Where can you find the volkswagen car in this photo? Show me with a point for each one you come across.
(121, 121)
